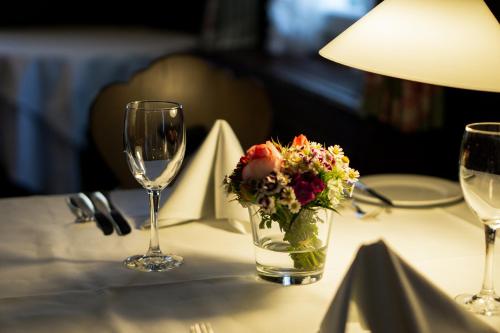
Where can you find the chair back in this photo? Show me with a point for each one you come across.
(207, 93)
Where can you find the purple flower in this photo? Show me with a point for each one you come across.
(306, 186)
(317, 184)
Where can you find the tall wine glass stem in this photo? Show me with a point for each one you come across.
(489, 233)
(154, 206)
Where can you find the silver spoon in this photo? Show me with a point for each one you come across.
(88, 212)
(80, 208)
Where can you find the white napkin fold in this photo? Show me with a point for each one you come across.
(199, 193)
(391, 297)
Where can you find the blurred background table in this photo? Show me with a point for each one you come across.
(49, 80)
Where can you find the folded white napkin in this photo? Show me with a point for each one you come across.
(391, 297)
(198, 193)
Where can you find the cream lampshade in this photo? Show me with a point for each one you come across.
(453, 43)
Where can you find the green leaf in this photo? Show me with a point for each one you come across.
(309, 260)
(301, 232)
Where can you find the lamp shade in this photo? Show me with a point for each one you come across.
(453, 43)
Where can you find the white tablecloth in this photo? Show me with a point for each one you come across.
(56, 276)
(49, 79)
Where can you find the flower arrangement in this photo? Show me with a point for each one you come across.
(289, 184)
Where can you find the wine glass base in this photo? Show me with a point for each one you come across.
(153, 263)
(488, 305)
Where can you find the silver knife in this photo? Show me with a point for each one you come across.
(88, 207)
(362, 186)
(101, 203)
(117, 215)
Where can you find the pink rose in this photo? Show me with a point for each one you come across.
(262, 160)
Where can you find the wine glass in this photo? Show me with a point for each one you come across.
(480, 181)
(155, 142)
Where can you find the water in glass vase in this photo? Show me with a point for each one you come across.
(275, 261)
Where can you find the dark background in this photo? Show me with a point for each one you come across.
(173, 15)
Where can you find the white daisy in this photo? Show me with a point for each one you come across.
(294, 207)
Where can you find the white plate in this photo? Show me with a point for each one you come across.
(410, 190)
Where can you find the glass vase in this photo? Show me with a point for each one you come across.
(291, 252)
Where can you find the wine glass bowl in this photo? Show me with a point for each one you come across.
(155, 143)
(480, 181)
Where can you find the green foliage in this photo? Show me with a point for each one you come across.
(282, 216)
(301, 232)
(309, 260)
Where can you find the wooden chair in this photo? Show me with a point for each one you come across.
(206, 91)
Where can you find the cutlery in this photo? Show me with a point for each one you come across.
(101, 220)
(84, 211)
(363, 214)
(373, 193)
(104, 206)
(360, 212)
(81, 215)
(117, 216)
(201, 328)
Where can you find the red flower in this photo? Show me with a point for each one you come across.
(306, 187)
(317, 185)
(243, 161)
(300, 140)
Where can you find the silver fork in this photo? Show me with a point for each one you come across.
(203, 327)
(373, 213)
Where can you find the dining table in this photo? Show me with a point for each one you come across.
(60, 276)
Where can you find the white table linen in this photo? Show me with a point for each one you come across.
(57, 276)
(49, 80)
